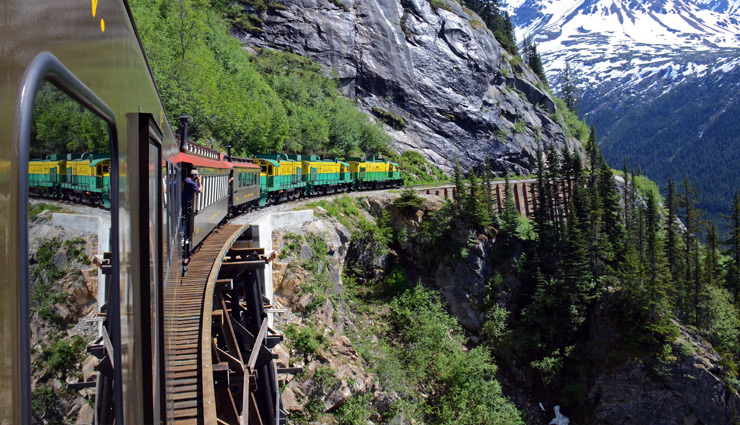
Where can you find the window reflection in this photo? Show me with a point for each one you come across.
(69, 230)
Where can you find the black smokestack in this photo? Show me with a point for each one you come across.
(184, 132)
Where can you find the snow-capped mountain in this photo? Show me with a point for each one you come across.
(633, 37)
(658, 79)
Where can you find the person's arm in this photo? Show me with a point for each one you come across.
(197, 185)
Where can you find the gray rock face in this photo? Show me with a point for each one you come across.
(448, 79)
(687, 389)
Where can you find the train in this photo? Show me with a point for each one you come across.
(81, 178)
(231, 185)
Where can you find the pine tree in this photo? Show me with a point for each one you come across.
(535, 62)
(688, 200)
(671, 230)
(487, 190)
(568, 87)
(612, 225)
(553, 188)
(732, 270)
(511, 215)
(459, 184)
(577, 277)
(472, 203)
(711, 257)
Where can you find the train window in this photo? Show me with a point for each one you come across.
(70, 235)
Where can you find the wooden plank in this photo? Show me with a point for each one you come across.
(108, 347)
(258, 342)
(238, 266)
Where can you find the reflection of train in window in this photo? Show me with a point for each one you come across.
(83, 178)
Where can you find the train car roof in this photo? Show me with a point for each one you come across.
(243, 165)
(98, 161)
(200, 161)
(270, 161)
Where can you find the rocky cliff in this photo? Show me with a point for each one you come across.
(436, 77)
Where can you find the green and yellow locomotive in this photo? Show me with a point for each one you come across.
(83, 178)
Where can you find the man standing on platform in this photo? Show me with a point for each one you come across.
(190, 187)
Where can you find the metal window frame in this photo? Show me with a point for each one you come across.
(46, 67)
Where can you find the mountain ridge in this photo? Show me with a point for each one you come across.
(656, 81)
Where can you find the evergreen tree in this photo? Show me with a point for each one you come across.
(732, 270)
(671, 229)
(511, 215)
(487, 190)
(568, 87)
(658, 276)
(459, 184)
(577, 277)
(689, 199)
(535, 62)
(711, 257)
(612, 225)
(473, 207)
(553, 184)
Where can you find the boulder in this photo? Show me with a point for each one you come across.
(289, 401)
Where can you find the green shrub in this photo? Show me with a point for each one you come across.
(440, 4)
(63, 355)
(306, 339)
(45, 404)
(76, 250)
(340, 5)
(393, 120)
(415, 169)
(355, 411)
(408, 200)
(37, 209)
(325, 378)
(520, 126)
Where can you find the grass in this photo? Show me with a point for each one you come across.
(415, 169)
(35, 210)
(46, 294)
(394, 121)
(572, 125)
(344, 209)
(440, 4)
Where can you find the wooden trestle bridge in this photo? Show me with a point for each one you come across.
(218, 337)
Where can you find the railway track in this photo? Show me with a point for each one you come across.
(220, 365)
(184, 305)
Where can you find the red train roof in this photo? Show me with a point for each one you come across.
(243, 165)
(199, 161)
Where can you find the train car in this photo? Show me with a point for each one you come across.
(281, 178)
(210, 206)
(87, 179)
(44, 178)
(325, 176)
(374, 173)
(245, 185)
